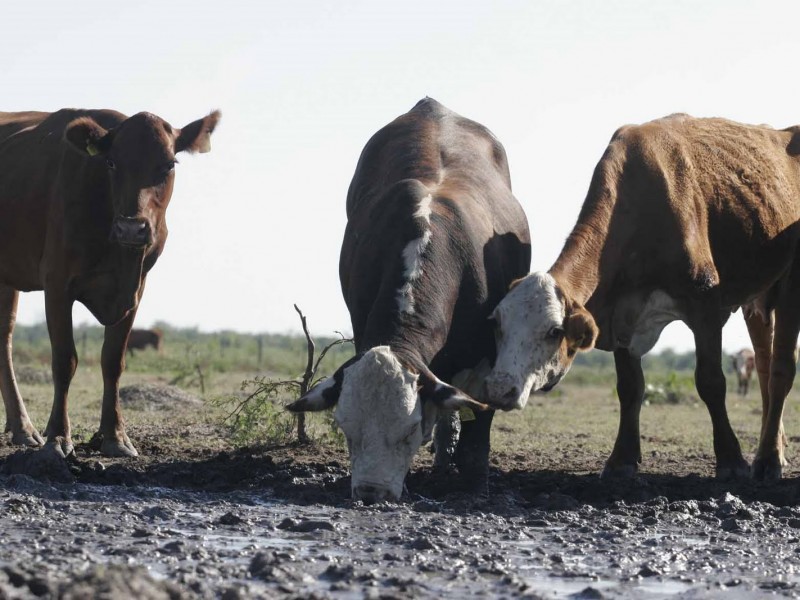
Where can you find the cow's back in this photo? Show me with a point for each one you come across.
(435, 183)
(14, 122)
(710, 199)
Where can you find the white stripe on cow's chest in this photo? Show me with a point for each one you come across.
(412, 257)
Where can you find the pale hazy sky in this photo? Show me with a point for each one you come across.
(256, 225)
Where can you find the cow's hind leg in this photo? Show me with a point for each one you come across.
(769, 461)
(627, 454)
(711, 385)
(23, 433)
(112, 426)
(761, 336)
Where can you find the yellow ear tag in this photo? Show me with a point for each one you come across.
(92, 150)
(465, 414)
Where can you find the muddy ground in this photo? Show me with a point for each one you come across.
(206, 519)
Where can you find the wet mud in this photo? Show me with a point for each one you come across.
(277, 522)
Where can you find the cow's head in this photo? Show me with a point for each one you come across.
(538, 332)
(139, 155)
(386, 410)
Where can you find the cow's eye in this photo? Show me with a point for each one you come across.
(111, 164)
(555, 333)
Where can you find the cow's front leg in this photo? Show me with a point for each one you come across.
(58, 310)
(627, 453)
(445, 440)
(23, 433)
(112, 426)
(711, 385)
(472, 452)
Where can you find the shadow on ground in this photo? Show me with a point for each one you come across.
(318, 474)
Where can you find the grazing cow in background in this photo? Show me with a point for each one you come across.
(434, 237)
(685, 219)
(743, 362)
(140, 339)
(83, 197)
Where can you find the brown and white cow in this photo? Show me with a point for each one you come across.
(743, 363)
(83, 196)
(685, 219)
(141, 339)
(433, 239)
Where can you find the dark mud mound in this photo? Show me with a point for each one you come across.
(148, 396)
(45, 463)
(30, 375)
(302, 474)
(106, 582)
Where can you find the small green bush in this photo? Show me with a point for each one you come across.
(675, 388)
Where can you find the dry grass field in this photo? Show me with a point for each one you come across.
(570, 429)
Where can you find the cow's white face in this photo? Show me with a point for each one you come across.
(382, 417)
(386, 411)
(536, 340)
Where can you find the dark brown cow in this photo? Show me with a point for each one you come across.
(83, 195)
(140, 339)
(434, 237)
(686, 219)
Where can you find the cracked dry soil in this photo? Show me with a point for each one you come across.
(276, 522)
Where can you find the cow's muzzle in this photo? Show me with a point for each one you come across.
(370, 493)
(133, 232)
(500, 390)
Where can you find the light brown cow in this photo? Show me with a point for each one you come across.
(83, 197)
(685, 219)
(743, 363)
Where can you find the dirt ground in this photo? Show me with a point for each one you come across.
(195, 516)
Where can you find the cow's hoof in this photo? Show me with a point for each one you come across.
(27, 437)
(60, 446)
(116, 448)
(623, 471)
(739, 470)
(767, 469)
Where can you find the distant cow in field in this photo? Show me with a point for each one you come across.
(686, 219)
(140, 339)
(743, 362)
(434, 237)
(83, 197)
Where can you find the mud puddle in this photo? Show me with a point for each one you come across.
(276, 522)
(300, 537)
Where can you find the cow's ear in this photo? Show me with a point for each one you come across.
(444, 396)
(196, 136)
(580, 330)
(324, 395)
(320, 397)
(86, 136)
(436, 396)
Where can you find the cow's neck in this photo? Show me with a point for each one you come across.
(577, 269)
